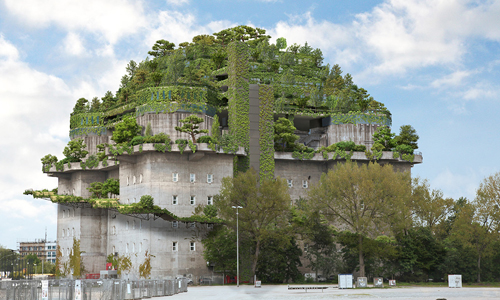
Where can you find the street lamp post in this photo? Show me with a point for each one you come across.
(237, 249)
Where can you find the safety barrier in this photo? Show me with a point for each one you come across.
(91, 289)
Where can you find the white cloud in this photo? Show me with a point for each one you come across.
(453, 79)
(112, 19)
(73, 44)
(7, 50)
(177, 27)
(480, 90)
(177, 2)
(398, 35)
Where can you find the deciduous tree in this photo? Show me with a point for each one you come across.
(362, 199)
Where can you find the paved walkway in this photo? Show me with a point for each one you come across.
(280, 292)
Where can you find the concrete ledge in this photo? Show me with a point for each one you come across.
(386, 156)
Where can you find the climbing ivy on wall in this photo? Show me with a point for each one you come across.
(97, 130)
(86, 120)
(239, 101)
(180, 94)
(169, 107)
(266, 132)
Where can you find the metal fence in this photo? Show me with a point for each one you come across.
(92, 289)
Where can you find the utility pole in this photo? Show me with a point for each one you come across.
(237, 249)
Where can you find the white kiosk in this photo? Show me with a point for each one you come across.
(345, 281)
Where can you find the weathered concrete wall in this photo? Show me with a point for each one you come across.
(166, 123)
(361, 134)
(133, 237)
(299, 172)
(156, 170)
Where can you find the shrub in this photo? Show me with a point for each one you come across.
(206, 139)
(161, 138)
(210, 211)
(137, 140)
(149, 131)
(378, 147)
(407, 149)
(126, 130)
(181, 141)
(361, 148)
(346, 145)
(147, 201)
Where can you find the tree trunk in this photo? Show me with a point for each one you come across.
(361, 257)
(479, 268)
(255, 259)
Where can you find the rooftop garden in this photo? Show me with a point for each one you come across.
(193, 75)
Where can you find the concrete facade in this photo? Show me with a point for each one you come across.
(179, 182)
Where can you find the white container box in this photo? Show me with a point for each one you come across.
(362, 282)
(455, 281)
(345, 281)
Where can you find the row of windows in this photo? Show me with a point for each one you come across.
(305, 183)
(131, 247)
(175, 224)
(39, 248)
(175, 178)
(192, 200)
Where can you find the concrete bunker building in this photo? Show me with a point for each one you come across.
(180, 178)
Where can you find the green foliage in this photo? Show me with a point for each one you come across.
(210, 211)
(126, 130)
(190, 125)
(149, 131)
(162, 48)
(91, 162)
(206, 139)
(266, 132)
(75, 259)
(182, 143)
(278, 264)
(137, 140)
(47, 162)
(75, 150)
(281, 43)
(81, 106)
(229, 143)
(219, 249)
(404, 149)
(147, 201)
(407, 137)
(111, 186)
(284, 134)
(267, 202)
(384, 137)
(215, 129)
(145, 267)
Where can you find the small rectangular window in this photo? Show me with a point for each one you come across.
(210, 178)
(174, 246)
(290, 183)
(193, 200)
(210, 200)
(192, 178)
(192, 246)
(174, 200)
(305, 184)
(175, 177)
(192, 225)
(175, 224)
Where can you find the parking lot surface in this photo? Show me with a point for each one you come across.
(282, 292)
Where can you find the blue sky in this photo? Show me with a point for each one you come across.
(435, 64)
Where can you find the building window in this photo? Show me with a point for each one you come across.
(64, 233)
(305, 184)
(113, 231)
(133, 180)
(210, 200)
(73, 212)
(192, 246)
(174, 200)
(126, 226)
(133, 224)
(210, 178)
(290, 183)
(114, 250)
(174, 246)
(175, 177)
(140, 247)
(175, 224)
(63, 213)
(133, 248)
(192, 178)
(193, 200)
(192, 224)
(140, 178)
(127, 180)
(126, 248)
